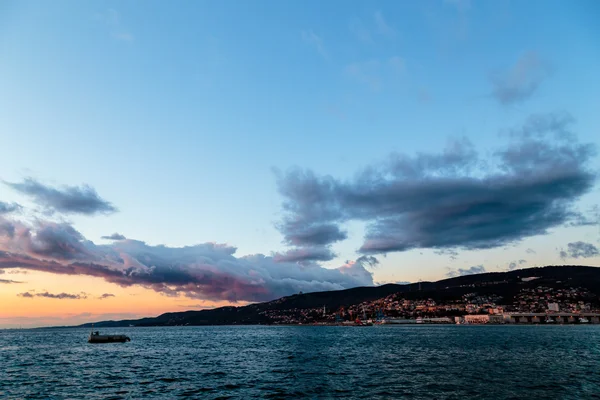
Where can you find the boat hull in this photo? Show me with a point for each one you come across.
(108, 339)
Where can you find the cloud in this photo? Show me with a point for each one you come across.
(455, 199)
(205, 271)
(451, 252)
(521, 81)
(112, 19)
(580, 250)
(59, 296)
(397, 63)
(8, 281)
(461, 5)
(513, 265)
(114, 236)
(530, 251)
(477, 269)
(106, 296)
(366, 32)
(315, 40)
(382, 26)
(123, 36)
(366, 72)
(305, 254)
(360, 31)
(367, 261)
(6, 208)
(68, 199)
(374, 73)
(59, 241)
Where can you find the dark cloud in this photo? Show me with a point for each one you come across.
(8, 281)
(580, 250)
(367, 261)
(206, 271)
(106, 296)
(60, 296)
(7, 208)
(522, 262)
(304, 254)
(312, 235)
(114, 236)
(477, 269)
(521, 81)
(450, 252)
(455, 199)
(68, 199)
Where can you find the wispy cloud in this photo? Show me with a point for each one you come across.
(462, 8)
(7, 208)
(59, 296)
(311, 38)
(450, 252)
(367, 32)
(477, 269)
(397, 64)
(362, 33)
(521, 81)
(67, 199)
(461, 5)
(8, 281)
(382, 26)
(366, 72)
(106, 296)
(374, 73)
(114, 236)
(112, 19)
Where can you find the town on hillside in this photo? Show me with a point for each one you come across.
(531, 304)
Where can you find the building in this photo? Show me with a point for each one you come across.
(553, 307)
(477, 318)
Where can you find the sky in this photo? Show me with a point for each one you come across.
(161, 158)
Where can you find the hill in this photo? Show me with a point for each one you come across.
(501, 285)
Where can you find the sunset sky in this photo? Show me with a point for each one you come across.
(159, 157)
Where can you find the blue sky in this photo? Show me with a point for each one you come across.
(181, 115)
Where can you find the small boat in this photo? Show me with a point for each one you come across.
(358, 322)
(583, 320)
(96, 337)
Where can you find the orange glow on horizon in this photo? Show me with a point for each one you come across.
(128, 302)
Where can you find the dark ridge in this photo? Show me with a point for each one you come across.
(505, 284)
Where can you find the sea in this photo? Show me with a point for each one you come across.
(305, 362)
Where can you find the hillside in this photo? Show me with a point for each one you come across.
(503, 285)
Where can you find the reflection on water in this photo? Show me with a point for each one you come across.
(418, 362)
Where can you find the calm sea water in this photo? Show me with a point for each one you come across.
(416, 362)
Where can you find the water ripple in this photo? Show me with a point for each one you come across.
(382, 362)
